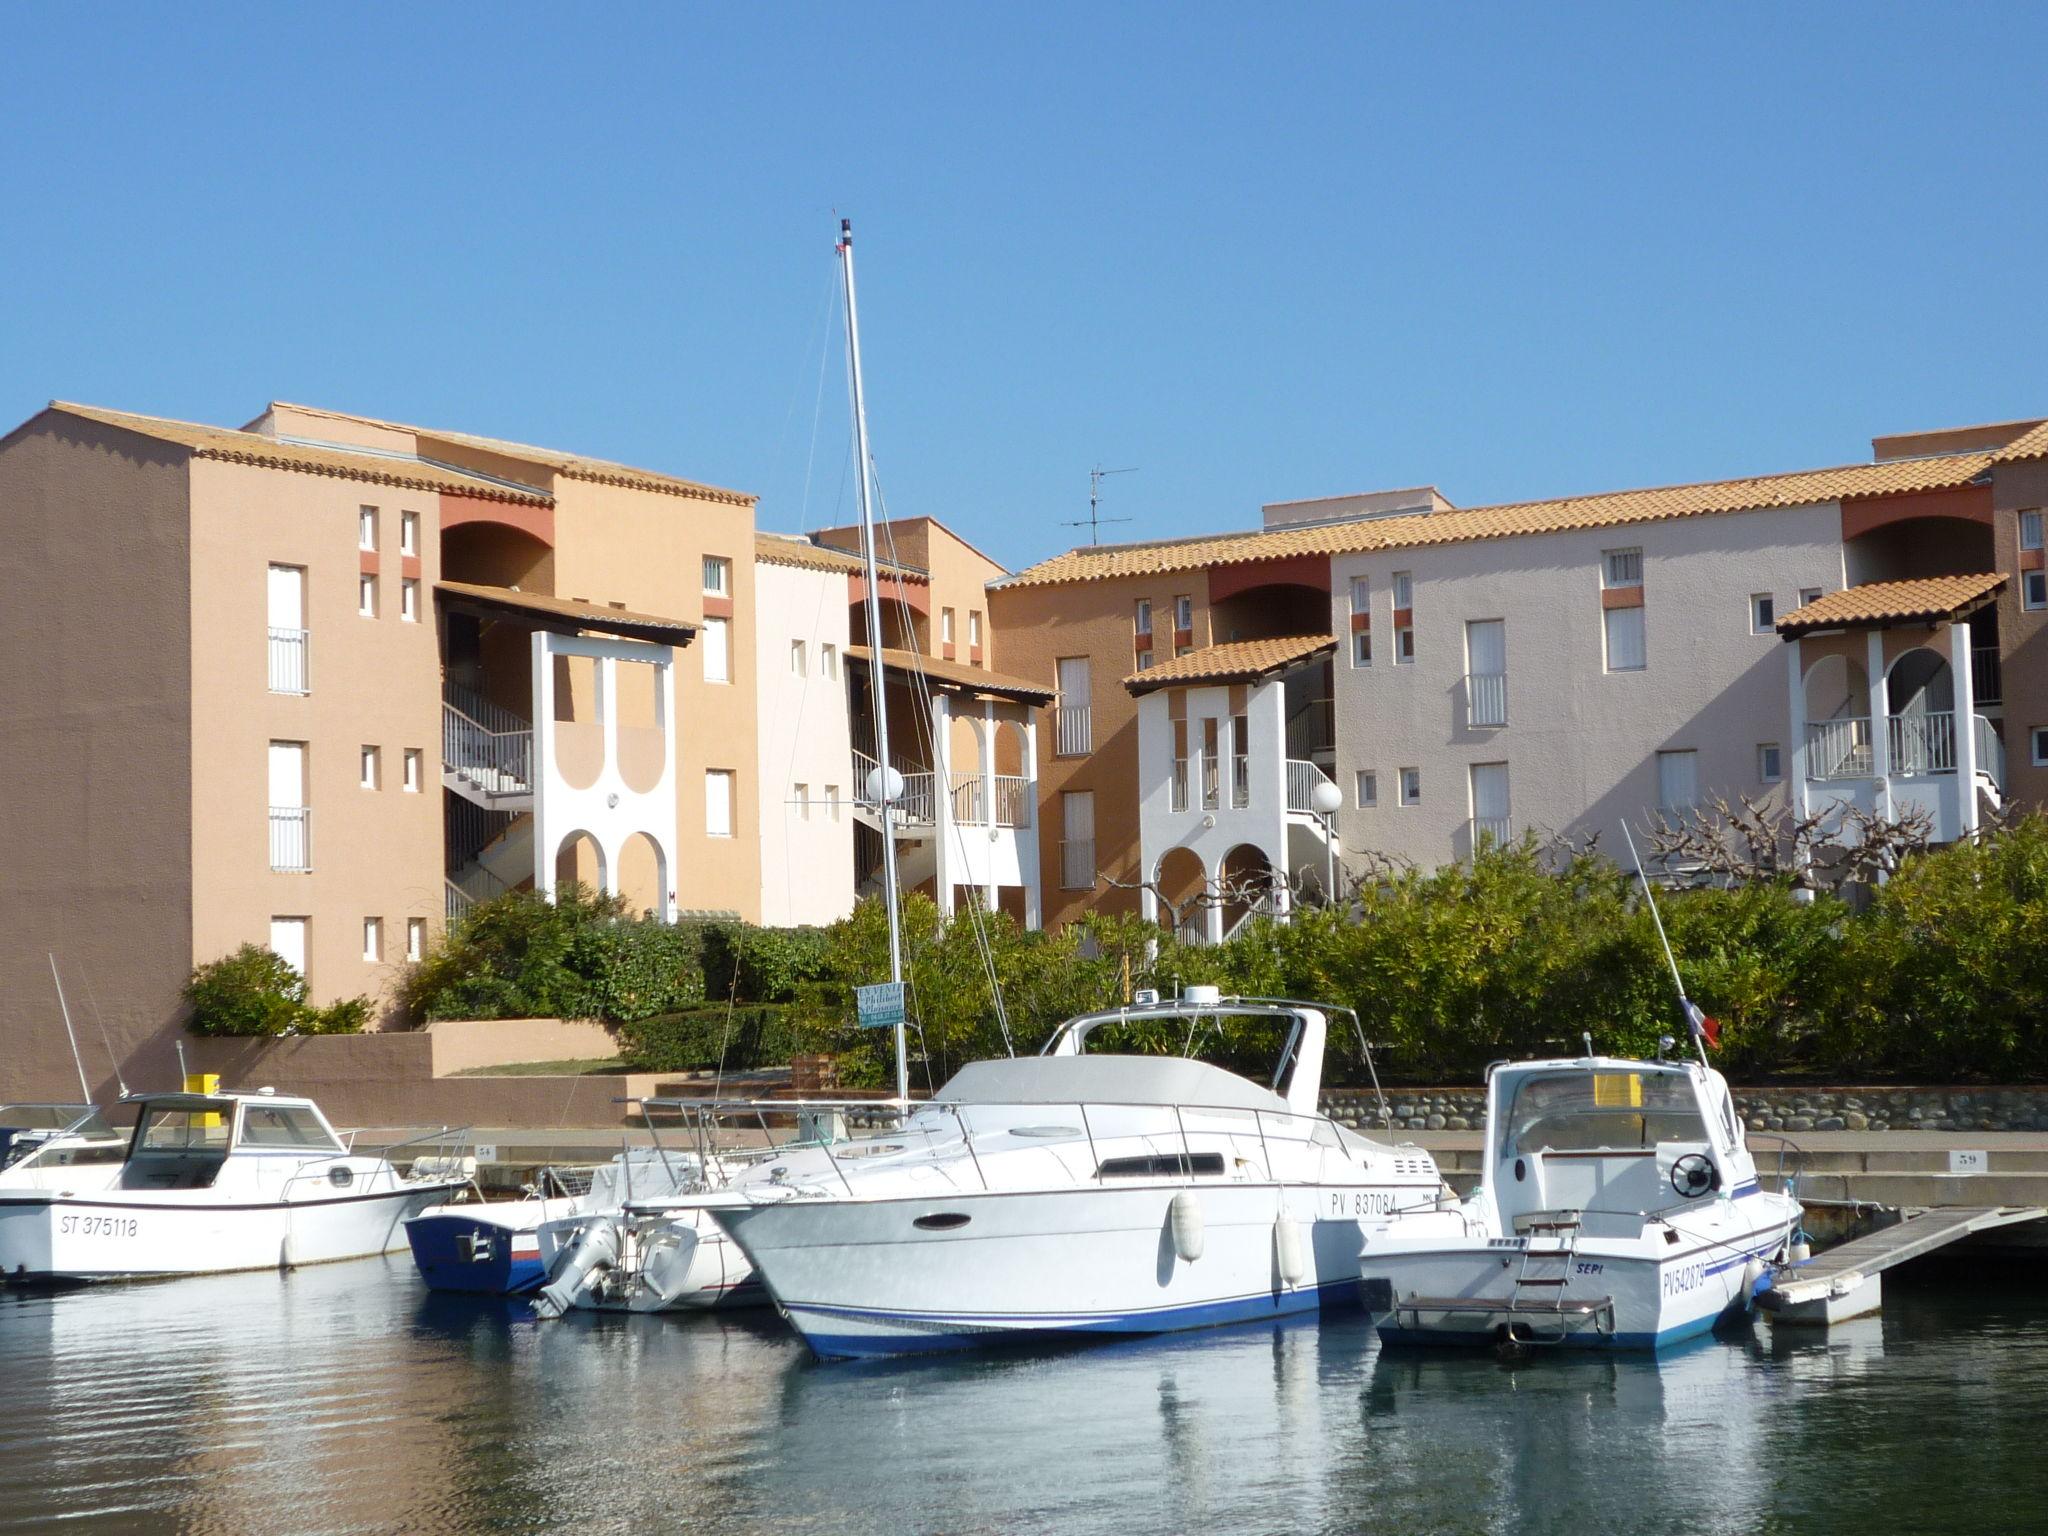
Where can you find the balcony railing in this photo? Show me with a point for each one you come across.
(1240, 781)
(1180, 783)
(291, 839)
(1212, 784)
(1072, 731)
(1302, 779)
(1987, 679)
(1486, 699)
(1839, 748)
(1012, 795)
(1990, 753)
(1077, 864)
(915, 804)
(496, 762)
(1312, 727)
(290, 664)
(1494, 830)
(1922, 744)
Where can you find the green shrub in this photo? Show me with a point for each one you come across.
(740, 1037)
(254, 991)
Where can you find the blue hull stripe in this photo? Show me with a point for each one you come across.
(930, 1332)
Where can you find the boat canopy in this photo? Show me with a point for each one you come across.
(1608, 1103)
(1106, 1080)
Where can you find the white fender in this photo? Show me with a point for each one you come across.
(1186, 1217)
(1287, 1251)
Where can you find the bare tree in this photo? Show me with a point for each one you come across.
(1753, 843)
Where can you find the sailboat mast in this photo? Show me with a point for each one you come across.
(887, 795)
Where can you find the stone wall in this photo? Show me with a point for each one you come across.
(1901, 1108)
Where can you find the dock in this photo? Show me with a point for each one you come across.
(1843, 1282)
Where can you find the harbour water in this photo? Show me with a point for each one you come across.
(346, 1399)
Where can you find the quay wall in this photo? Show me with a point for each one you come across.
(1880, 1108)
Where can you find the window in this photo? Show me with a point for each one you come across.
(1486, 673)
(717, 577)
(412, 770)
(409, 599)
(1625, 649)
(1678, 780)
(1763, 613)
(408, 533)
(2034, 589)
(1361, 595)
(1621, 568)
(1808, 595)
(1183, 650)
(366, 528)
(2030, 530)
(1404, 618)
(366, 596)
(1142, 623)
(1072, 732)
(373, 938)
(415, 938)
(716, 642)
(832, 801)
(372, 767)
(2037, 738)
(797, 662)
(284, 1125)
(290, 821)
(287, 611)
(828, 660)
(288, 941)
(946, 626)
(1077, 840)
(1404, 589)
(1361, 648)
(1491, 821)
(1411, 786)
(1770, 762)
(1146, 660)
(1183, 613)
(718, 802)
(800, 795)
(974, 627)
(1368, 789)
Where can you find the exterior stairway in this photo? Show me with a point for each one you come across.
(486, 751)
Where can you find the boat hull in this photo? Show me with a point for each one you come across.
(1635, 1293)
(491, 1250)
(864, 1278)
(53, 1239)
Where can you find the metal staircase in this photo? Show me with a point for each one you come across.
(1540, 1309)
(486, 751)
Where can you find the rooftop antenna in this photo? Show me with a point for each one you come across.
(1695, 1020)
(84, 1089)
(1095, 520)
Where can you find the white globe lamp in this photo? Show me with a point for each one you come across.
(1328, 798)
(885, 786)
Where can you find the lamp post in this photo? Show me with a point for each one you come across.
(1327, 797)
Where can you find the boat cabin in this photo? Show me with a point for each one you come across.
(1617, 1141)
(1202, 1019)
(182, 1140)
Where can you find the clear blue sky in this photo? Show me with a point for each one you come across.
(1259, 252)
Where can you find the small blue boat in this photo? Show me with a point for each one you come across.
(485, 1249)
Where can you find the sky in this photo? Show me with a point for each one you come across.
(1253, 253)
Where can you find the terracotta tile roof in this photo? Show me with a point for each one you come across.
(564, 614)
(573, 465)
(2029, 445)
(253, 448)
(794, 549)
(1608, 509)
(958, 674)
(1233, 661)
(1923, 600)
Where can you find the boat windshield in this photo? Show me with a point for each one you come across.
(184, 1130)
(1602, 1110)
(285, 1125)
(53, 1117)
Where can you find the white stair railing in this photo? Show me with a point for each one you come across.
(1990, 753)
(290, 661)
(1302, 779)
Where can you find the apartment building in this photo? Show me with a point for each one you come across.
(1568, 666)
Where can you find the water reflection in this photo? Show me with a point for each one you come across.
(345, 1399)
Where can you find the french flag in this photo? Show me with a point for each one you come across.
(1704, 1026)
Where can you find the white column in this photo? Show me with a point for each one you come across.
(1880, 723)
(543, 764)
(942, 801)
(1212, 914)
(1030, 840)
(1795, 759)
(1966, 727)
(987, 744)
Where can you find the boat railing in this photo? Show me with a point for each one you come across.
(1789, 1151)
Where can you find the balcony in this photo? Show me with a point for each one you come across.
(1486, 700)
(915, 806)
(1073, 734)
(1012, 797)
(1496, 831)
(1917, 746)
(290, 663)
(1987, 678)
(1839, 748)
(291, 839)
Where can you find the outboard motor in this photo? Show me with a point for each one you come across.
(596, 1248)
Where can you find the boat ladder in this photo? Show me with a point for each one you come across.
(1543, 1279)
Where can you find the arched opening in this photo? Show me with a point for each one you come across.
(579, 860)
(1920, 683)
(643, 875)
(1837, 718)
(490, 554)
(1276, 608)
(1248, 880)
(643, 737)
(579, 719)
(1919, 546)
(1180, 881)
(1837, 688)
(1921, 693)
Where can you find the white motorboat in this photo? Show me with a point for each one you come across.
(1070, 1194)
(212, 1182)
(58, 1146)
(1619, 1208)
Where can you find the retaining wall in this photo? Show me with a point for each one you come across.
(1901, 1108)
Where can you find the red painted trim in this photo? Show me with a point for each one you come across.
(894, 590)
(1142, 642)
(1969, 503)
(1621, 597)
(409, 565)
(1404, 618)
(946, 652)
(1292, 571)
(368, 559)
(2030, 559)
(717, 607)
(974, 655)
(1360, 622)
(1183, 637)
(535, 522)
